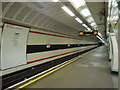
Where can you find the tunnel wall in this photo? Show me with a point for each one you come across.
(44, 46)
(49, 41)
(50, 44)
(0, 39)
(48, 38)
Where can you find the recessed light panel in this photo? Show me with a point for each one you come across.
(85, 25)
(85, 12)
(77, 3)
(77, 19)
(55, 0)
(90, 19)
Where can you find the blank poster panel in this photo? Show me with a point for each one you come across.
(13, 46)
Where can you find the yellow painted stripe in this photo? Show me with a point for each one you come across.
(46, 74)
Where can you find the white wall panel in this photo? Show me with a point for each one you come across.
(36, 56)
(33, 39)
(40, 55)
(0, 40)
(32, 64)
(114, 52)
(0, 30)
(40, 39)
(13, 46)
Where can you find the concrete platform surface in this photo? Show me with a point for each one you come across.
(90, 71)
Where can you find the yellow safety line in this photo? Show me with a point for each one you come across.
(46, 74)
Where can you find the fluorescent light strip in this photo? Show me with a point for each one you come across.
(88, 29)
(99, 34)
(55, 0)
(77, 3)
(93, 24)
(77, 19)
(68, 11)
(90, 19)
(100, 39)
(85, 25)
(85, 12)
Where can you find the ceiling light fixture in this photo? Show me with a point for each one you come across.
(88, 29)
(85, 25)
(93, 24)
(68, 11)
(99, 34)
(78, 3)
(77, 19)
(85, 12)
(55, 0)
(100, 39)
(90, 19)
(95, 27)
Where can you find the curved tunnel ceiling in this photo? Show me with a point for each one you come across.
(48, 15)
(40, 14)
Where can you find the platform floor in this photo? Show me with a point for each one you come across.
(90, 71)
